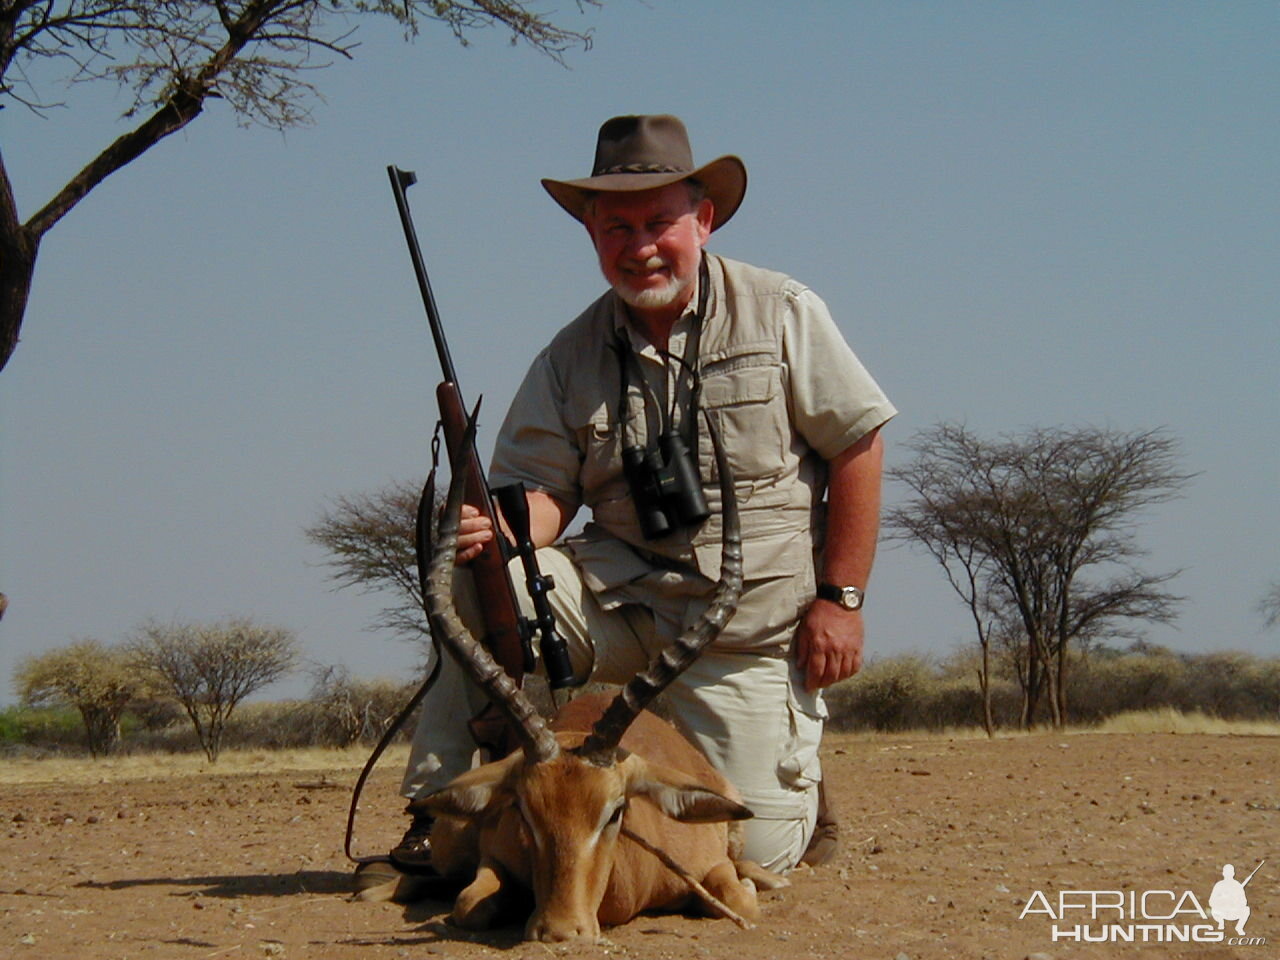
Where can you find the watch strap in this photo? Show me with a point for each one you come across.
(829, 591)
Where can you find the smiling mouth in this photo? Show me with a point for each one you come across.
(654, 267)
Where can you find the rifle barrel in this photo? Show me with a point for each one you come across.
(399, 180)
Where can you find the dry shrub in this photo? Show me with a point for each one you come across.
(1234, 685)
(341, 711)
(886, 695)
(1107, 684)
(913, 693)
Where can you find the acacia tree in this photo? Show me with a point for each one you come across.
(1037, 534)
(95, 679)
(370, 540)
(174, 55)
(209, 669)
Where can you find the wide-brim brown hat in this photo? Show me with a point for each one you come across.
(645, 152)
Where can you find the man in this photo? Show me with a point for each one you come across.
(1228, 900)
(681, 332)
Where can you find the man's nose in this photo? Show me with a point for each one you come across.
(643, 245)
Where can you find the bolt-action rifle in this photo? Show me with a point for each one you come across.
(507, 634)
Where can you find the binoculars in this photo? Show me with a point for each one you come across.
(665, 486)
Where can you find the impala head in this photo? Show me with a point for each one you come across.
(565, 794)
(568, 812)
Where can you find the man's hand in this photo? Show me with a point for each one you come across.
(548, 518)
(474, 531)
(828, 645)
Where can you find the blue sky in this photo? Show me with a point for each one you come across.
(1020, 214)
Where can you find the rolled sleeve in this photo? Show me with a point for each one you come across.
(534, 445)
(834, 401)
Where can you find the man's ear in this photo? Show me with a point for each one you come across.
(673, 794)
(482, 790)
(706, 214)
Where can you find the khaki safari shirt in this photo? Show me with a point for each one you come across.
(787, 393)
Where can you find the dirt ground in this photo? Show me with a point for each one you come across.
(945, 843)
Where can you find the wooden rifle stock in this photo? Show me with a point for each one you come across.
(503, 635)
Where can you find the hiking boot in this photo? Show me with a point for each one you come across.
(825, 842)
(414, 849)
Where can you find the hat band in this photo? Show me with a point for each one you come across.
(640, 168)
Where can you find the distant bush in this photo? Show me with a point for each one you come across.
(910, 692)
(889, 694)
(1104, 685)
(344, 710)
(39, 730)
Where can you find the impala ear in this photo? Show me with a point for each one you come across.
(674, 795)
(483, 790)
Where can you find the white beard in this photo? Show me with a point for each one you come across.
(654, 298)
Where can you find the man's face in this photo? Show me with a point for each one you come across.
(650, 243)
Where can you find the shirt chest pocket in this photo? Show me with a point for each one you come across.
(745, 396)
(601, 467)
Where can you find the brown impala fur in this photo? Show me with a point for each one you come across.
(547, 827)
(554, 817)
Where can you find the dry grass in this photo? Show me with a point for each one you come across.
(1169, 720)
(158, 766)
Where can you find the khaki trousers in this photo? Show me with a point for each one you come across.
(747, 710)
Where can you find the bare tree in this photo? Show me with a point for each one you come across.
(1269, 606)
(942, 526)
(370, 541)
(1036, 534)
(174, 55)
(95, 679)
(210, 669)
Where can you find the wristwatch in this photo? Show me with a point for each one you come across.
(848, 597)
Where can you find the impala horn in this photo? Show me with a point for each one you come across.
(601, 745)
(536, 739)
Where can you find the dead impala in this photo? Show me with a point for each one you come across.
(605, 812)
